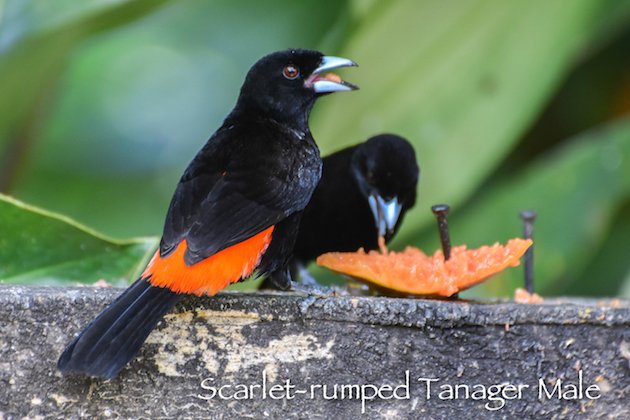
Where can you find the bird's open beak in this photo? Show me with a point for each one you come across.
(385, 214)
(330, 82)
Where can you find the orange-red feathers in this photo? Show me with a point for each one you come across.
(212, 274)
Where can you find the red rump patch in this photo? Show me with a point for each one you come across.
(211, 275)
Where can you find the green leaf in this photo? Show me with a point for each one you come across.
(40, 247)
(29, 69)
(606, 269)
(625, 288)
(576, 191)
(22, 18)
(462, 91)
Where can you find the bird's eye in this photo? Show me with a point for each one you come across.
(291, 72)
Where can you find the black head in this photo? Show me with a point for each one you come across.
(284, 85)
(386, 172)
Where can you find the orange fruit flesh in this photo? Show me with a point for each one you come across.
(332, 77)
(414, 273)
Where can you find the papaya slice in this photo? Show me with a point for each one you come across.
(412, 272)
(523, 296)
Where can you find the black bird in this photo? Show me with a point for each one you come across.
(236, 208)
(364, 193)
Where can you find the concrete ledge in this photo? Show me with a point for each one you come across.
(314, 342)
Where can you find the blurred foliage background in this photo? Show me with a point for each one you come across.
(511, 105)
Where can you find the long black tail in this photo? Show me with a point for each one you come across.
(116, 335)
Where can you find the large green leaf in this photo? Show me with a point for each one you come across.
(576, 191)
(625, 288)
(45, 248)
(606, 269)
(29, 69)
(462, 80)
(23, 18)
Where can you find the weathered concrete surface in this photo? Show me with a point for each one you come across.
(233, 338)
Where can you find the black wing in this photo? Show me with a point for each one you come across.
(243, 181)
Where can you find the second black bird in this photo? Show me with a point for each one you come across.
(364, 193)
